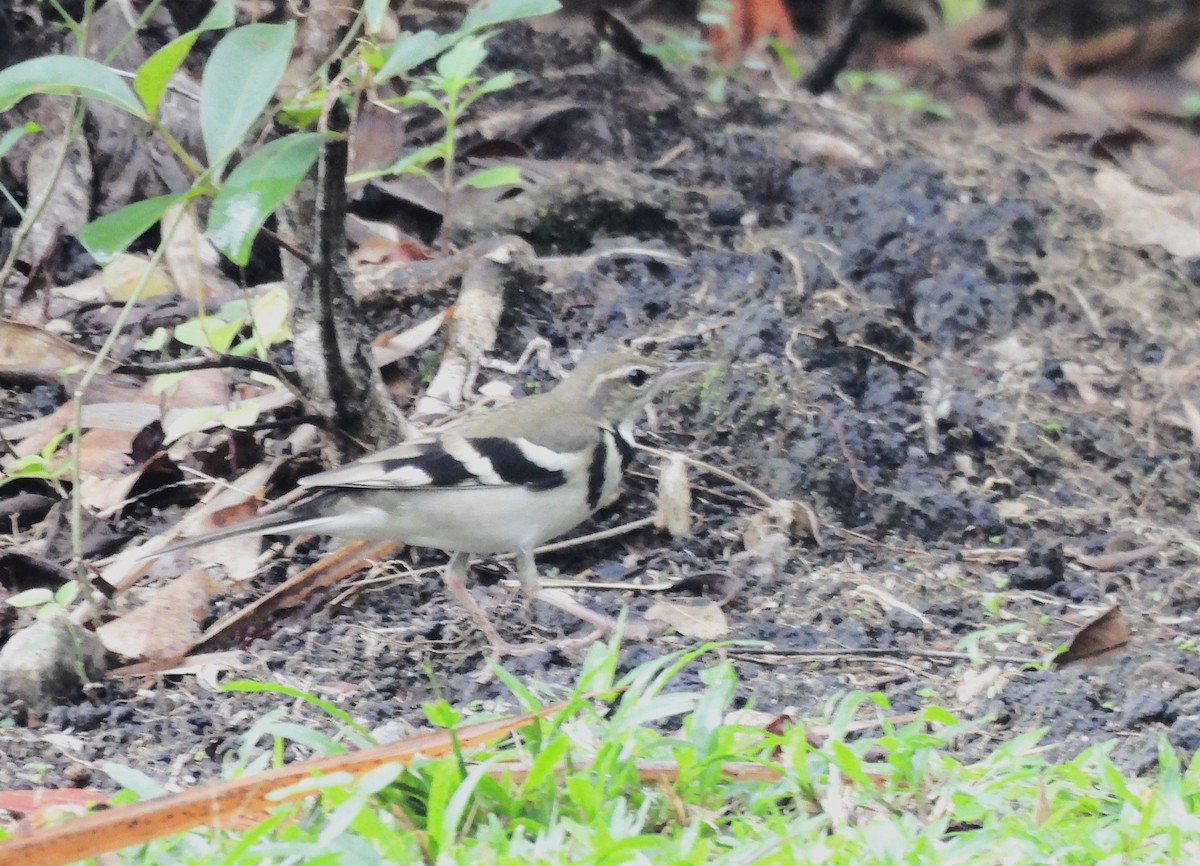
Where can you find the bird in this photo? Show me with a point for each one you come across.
(505, 481)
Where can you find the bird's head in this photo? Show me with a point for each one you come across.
(614, 386)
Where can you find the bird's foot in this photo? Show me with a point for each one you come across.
(632, 630)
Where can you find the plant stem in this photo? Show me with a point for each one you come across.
(78, 395)
(448, 175)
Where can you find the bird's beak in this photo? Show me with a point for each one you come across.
(681, 371)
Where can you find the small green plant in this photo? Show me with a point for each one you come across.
(45, 465)
(572, 787)
(971, 643)
(46, 602)
(220, 332)
(450, 88)
(884, 87)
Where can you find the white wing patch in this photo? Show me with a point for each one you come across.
(468, 455)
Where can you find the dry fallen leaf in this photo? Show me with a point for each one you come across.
(1096, 640)
(1170, 221)
(28, 351)
(700, 619)
(167, 624)
(193, 261)
(674, 500)
(822, 147)
(123, 274)
(976, 682)
(783, 515)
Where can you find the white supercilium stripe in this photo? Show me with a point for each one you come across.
(474, 462)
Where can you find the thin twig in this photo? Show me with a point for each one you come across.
(935, 655)
(80, 393)
(187, 365)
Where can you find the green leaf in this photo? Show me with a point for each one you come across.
(16, 134)
(134, 780)
(503, 81)
(67, 593)
(222, 16)
(410, 163)
(422, 97)
(153, 75)
(181, 422)
(489, 178)
(409, 51)
(156, 341)
(270, 314)
(208, 333)
(463, 59)
(35, 597)
(486, 13)
(109, 235)
(239, 80)
(242, 415)
(67, 75)
(255, 188)
(374, 12)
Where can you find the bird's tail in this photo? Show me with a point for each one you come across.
(289, 521)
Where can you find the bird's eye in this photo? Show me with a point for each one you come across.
(637, 377)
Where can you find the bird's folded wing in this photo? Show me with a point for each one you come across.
(459, 461)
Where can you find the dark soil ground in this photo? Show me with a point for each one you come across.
(941, 348)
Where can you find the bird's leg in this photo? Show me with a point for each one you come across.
(455, 577)
(528, 575)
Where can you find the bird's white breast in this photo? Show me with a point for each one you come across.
(489, 520)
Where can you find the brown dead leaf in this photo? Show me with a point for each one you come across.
(813, 146)
(104, 451)
(788, 516)
(331, 568)
(381, 251)
(377, 138)
(1132, 47)
(27, 351)
(1011, 509)
(391, 346)
(191, 259)
(1097, 641)
(108, 495)
(128, 566)
(59, 191)
(167, 624)
(976, 682)
(1171, 221)
(701, 619)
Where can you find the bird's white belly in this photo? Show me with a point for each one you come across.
(483, 520)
